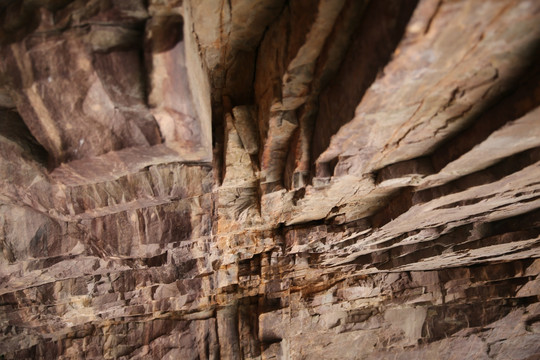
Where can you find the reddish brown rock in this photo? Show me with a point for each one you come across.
(269, 180)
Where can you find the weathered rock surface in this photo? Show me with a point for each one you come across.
(270, 180)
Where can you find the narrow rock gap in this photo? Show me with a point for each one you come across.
(12, 127)
(378, 27)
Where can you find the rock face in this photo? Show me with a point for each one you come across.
(322, 179)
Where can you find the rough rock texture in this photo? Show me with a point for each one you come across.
(304, 179)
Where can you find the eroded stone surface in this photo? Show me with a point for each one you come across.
(269, 180)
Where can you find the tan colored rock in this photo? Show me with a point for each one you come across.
(245, 124)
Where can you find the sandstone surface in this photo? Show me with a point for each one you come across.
(304, 179)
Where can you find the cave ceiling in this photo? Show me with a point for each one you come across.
(302, 179)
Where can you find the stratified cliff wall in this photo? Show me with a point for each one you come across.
(303, 179)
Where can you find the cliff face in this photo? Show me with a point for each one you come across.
(304, 179)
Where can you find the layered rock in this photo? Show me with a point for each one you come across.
(270, 180)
